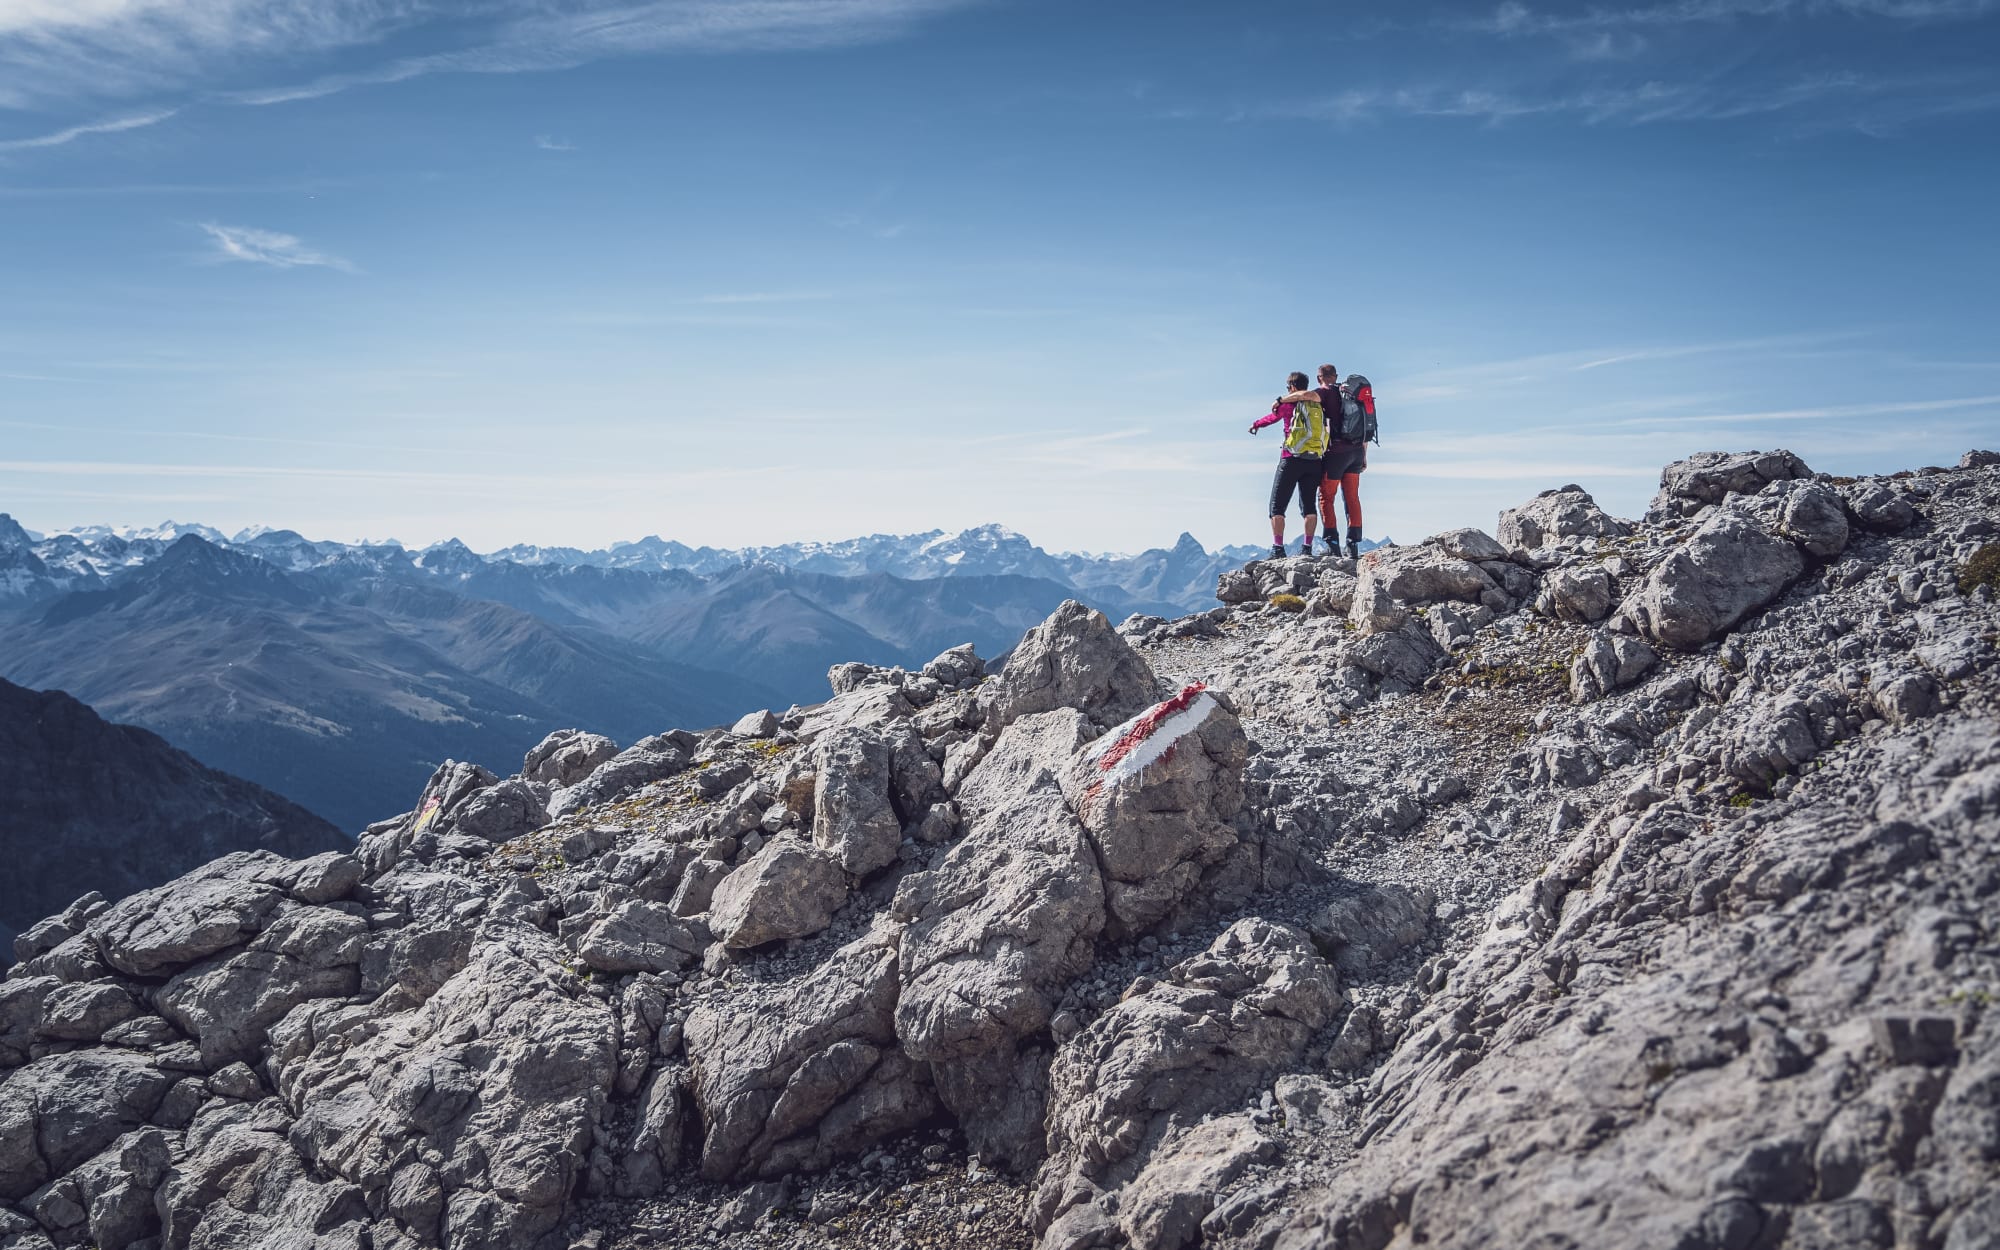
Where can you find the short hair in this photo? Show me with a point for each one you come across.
(1328, 369)
(1298, 381)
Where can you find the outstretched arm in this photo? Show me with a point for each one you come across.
(1267, 419)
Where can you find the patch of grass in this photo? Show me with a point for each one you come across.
(1288, 603)
(1742, 798)
(1983, 569)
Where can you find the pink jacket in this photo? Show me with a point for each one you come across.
(1283, 412)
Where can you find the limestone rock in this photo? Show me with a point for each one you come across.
(1576, 594)
(639, 936)
(1727, 569)
(791, 889)
(1707, 477)
(641, 764)
(797, 1087)
(156, 931)
(1212, 1028)
(960, 668)
(1608, 663)
(1165, 1204)
(1426, 573)
(760, 724)
(1157, 794)
(853, 819)
(1360, 932)
(1238, 586)
(1553, 515)
(228, 1004)
(566, 757)
(501, 812)
(999, 928)
(61, 1110)
(1470, 544)
(1876, 508)
(495, 1081)
(1074, 659)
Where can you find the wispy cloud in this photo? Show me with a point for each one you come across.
(71, 134)
(268, 247)
(1515, 18)
(1833, 99)
(68, 49)
(1528, 370)
(1838, 412)
(549, 143)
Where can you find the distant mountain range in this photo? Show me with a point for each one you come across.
(340, 674)
(86, 805)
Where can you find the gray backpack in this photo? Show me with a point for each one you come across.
(1357, 411)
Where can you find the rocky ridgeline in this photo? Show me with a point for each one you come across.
(1598, 883)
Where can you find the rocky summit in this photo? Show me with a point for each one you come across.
(1597, 882)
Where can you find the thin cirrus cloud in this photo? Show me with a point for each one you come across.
(1834, 99)
(70, 134)
(1515, 18)
(268, 247)
(58, 50)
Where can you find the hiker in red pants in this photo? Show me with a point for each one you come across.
(1346, 450)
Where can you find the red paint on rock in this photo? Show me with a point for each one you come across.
(1146, 726)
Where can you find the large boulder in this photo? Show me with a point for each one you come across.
(791, 889)
(158, 931)
(853, 819)
(1425, 573)
(1708, 477)
(1877, 509)
(109, 1200)
(957, 668)
(1607, 663)
(1157, 794)
(809, 1076)
(641, 936)
(644, 762)
(566, 757)
(1576, 594)
(59, 1111)
(501, 812)
(478, 1105)
(1808, 513)
(1074, 659)
(239, 1183)
(1553, 515)
(1727, 569)
(1213, 1028)
(995, 934)
(228, 1004)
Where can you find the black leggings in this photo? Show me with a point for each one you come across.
(1301, 474)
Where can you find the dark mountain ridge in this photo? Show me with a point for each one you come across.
(90, 805)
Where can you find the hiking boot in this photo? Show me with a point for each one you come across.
(1277, 551)
(1354, 549)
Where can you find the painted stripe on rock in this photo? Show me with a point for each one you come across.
(1151, 735)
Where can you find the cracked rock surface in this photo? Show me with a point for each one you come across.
(1602, 882)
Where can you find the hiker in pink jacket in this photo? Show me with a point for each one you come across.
(1299, 466)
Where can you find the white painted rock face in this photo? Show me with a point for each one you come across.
(1156, 795)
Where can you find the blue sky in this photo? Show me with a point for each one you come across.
(569, 271)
